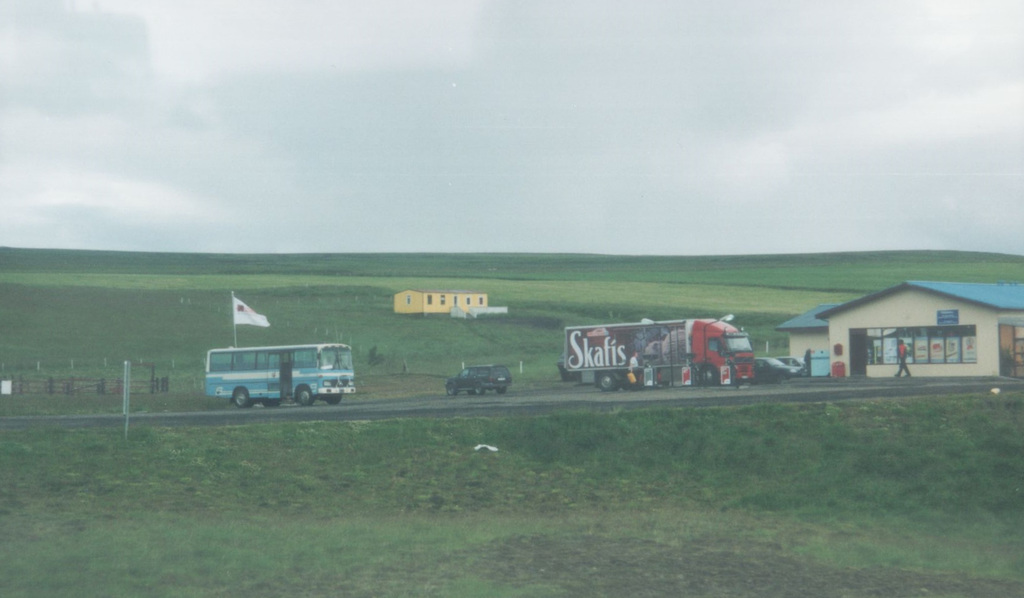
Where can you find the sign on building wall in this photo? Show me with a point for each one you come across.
(948, 317)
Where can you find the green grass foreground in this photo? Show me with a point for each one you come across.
(923, 497)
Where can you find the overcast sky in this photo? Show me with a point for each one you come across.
(667, 127)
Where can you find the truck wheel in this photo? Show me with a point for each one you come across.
(240, 398)
(304, 397)
(607, 381)
(451, 390)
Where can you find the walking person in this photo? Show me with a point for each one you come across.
(901, 351)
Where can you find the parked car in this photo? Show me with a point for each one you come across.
(478, 379)
(797, 362)
(769, 369)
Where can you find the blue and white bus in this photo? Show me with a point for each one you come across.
(269, 375)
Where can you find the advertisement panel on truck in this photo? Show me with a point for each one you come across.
(660, 353)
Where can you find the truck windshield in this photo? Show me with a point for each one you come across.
(336, 358)
(738, 344)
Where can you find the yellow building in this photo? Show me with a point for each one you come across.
(438, 301)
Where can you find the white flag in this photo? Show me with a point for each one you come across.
(245, 314)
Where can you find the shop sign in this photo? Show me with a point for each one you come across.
(948, 317)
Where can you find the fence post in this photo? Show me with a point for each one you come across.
(127, 395)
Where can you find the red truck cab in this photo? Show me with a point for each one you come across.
(716, 343)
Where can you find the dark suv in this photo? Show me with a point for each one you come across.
(478, 379)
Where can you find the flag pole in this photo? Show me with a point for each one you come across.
(234, 323)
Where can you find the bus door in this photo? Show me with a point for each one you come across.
(284, 373)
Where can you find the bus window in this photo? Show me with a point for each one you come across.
(304, 358)
(244, 360)
(268, 361)
(220, 362)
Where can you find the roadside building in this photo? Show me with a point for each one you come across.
(438, 301)
(807, 331)
(949, 328)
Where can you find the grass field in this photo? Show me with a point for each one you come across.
(912, 498)
(889, 498)
(71, 313)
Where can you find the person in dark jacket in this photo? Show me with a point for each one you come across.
(901, 352)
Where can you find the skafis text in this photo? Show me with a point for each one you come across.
(583, 355)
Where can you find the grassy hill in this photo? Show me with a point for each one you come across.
(76, 312)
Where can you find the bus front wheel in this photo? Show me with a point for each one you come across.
(240, 397)
(304, 397)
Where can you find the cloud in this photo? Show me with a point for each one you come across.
(475, 125)
(78, 208)
(196, 41)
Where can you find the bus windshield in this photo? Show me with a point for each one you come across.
(336, 358)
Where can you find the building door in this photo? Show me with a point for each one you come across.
(1018, 357)
(858, 352)
(1011, 351)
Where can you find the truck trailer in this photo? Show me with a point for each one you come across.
(703, 352)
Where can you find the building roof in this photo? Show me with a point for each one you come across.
(807, 322)
(1004, 296)
(459, 291)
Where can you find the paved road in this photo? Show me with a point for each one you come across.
(537, 402)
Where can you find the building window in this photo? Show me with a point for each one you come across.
(408, 299)
(469, 300)
(443, 297)
(926, 344)
(430, 299)
(481, 300)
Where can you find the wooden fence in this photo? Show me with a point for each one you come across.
(85, 386)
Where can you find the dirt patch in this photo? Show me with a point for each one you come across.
(595, 566)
